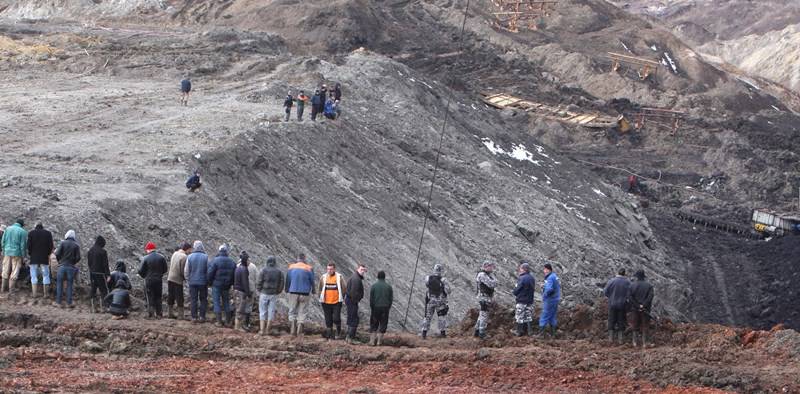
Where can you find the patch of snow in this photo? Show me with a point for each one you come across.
(654, 48)
(671, 63)
(776, 108)
(197, 156)
(599, 193)
(517, 152)
(577, 213)
(626, 47)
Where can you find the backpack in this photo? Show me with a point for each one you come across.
(435, 286)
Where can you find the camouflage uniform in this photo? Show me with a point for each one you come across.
(486, 284)
(523, 313)
(436, 305)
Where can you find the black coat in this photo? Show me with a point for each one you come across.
(154, 266)
(241, 280)
(118, 301)
(641, 294)
(355, 288)
(40, 245)
(97, 258)
(617, 292)
(68, 252)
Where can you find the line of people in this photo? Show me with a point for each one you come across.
(323, 102)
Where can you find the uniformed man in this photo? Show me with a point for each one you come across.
(486, 283)
(435, 302)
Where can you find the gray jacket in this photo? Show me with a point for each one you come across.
(270, 281)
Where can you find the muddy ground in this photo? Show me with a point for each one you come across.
(43, 348)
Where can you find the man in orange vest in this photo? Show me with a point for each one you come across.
(331, 293)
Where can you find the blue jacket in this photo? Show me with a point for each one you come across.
(221, 270)
(552, 288)
(617, 291)
(300, 279)
(196, 270)
(525, 289)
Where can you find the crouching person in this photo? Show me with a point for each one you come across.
(118, 301)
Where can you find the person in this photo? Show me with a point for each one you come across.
(175, 279)
(97, 259)
(243, 292)
(15, 246)
(186, 88)
(616, 291)
(633, 184)
(329, 111)
(323, 93)
(380, 302)
(354, 293)
(118, 301)
(196, 274)
(40, 246)
(332, 288)
(337, 92)
(119, 274)
(154, 266)
(486, 283)
(299, 284)
(287, 105)
(436, 301)
(317, 104)
(551, 296)
(193, 183)
(641, 300)
(337, 109)
(269, 285)
(302, 99)
(68, 254)
(252, 275)
(524, 293)
(220, 278)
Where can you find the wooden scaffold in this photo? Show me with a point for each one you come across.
(512, 15)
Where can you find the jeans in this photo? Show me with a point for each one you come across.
(198, 296)
(66, 273)
(45, 274)
(379, 319)
(333, 315)
(266, 306)
(222, 299)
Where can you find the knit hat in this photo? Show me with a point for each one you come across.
(639, 274)
(437, 269)
(150, 246)
(244, 256)
(271, 261)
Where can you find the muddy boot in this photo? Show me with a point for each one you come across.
(293, 328)
(237, 325)
(477, 334)
(179, 314)
(611, 336)
(170, 312)
(621, 337)
(644, 340)
(266, 329)
(262, 324)
(424, 334)
(380, 340)
(11, 286)
(634, 337)
(373, 339)
(4, 285)
(45, 291)
(229, 321)
(553, 332)
(520, 329)
(338, 333)
(482, 334)
(443, 334)
(300, 332)
(219, 322)
(540, 334)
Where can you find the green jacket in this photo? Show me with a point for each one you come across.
(15, 241)
(380, 295)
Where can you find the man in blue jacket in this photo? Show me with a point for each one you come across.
(220, 277)
(299, 285)
(196, 273)
(523, 311)
(617, 290)
(551, 296)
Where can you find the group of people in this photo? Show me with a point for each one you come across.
(245, 284)
(323, 102)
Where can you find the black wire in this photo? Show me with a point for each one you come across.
(436, 165)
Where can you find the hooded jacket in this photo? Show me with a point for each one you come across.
(120, 275)
(153, 268)
(525, 289)
(616, 291)
(40, 245)
(15, 241)
(97, 258)
(68, 251)
(177, 266)
(196, 270)
(641, 293)
(241, 279)
(221, 270)
(270, 279)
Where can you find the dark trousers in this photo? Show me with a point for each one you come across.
(154, 291)
(174, 294)
(98, 285)
(379, 319)
(333, 315)
(198, 297)
(641, 321)
(314, 112)
(352, 314)
(616, 319)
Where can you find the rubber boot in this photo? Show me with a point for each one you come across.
(380, 340)
(261, 325)
(482, 334)
(621, 337)
(328, 334)
(530, 329)
(424, 334)
(540, 334)
(179, 315)
(443, 334)
(219, 320)
(4, 285)
(611, 335)
(644, 340)
(634, 337)
(300, 332)
(477, 334)
(293, 328)
(45, 291)
(238, 324)
(170, 312)
(34, 291)
(373, 339)
(338, 333)
(266, 328)
(11, 286)
(520, 329)
(553, 331)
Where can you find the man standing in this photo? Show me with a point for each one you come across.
(317, 104)
(175, 278)
(551, 296)
(435, 301)
(486, 283)
(196, 274)
(299, 285)
(186, 89)
(97, 259)
(302, 99)
(154, 266)
(68, 255)
(220, 276)
(331, 293)
(40, 246)
(252, 275)
(15, 245)
(380, 302)
(353, 295)
(244, 296)
(287, 105)
(641, 299)
(323, 93)
(616, 291)
(270, 286)
(523, 311)
(337, 92)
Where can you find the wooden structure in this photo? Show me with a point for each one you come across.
(644, 67)
(561, 114)
(661, 117)
(513, 14)
(766, 221)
